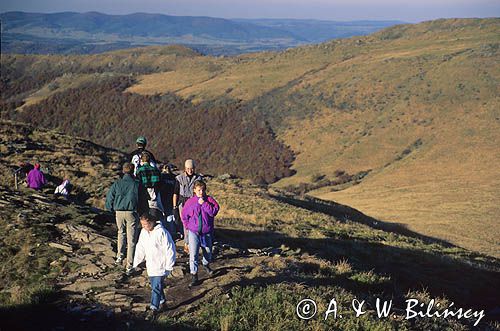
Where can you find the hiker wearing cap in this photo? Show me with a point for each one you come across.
(167, 186)
(149, 188)
(141, 143)
(156, 247)
(122, 198)
(35, 179)
(183, 191)
(198, 218)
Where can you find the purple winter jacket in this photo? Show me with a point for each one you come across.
(192, 209)
(36, 179)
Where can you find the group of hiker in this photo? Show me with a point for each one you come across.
(35, 179)
(168, 208)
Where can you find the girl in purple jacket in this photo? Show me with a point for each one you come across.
(198, 218)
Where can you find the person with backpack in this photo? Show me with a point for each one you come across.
(35, 179)
(122, 198)
(135, 157)
(156, 247)
(183, 191)
(198, 218)
(149, 188)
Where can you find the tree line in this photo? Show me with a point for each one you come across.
(224, 135)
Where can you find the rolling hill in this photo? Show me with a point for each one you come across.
(409, 115)
(93, 32)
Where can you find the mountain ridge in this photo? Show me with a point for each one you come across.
(72, 32)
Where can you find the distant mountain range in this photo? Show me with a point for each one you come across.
(92, 32)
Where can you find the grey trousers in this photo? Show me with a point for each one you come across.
(127, 223)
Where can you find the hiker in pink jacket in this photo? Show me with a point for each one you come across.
(198, 218)
(36, 179)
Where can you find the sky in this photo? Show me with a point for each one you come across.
(339, 10)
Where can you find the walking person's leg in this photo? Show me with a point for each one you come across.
(186, 232)
(121, 237)
(206, 251)
(156, 292)
(162, 292)
(132, 221)
(194, 245)
(156, 296)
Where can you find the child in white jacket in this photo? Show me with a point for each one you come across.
(156, 246)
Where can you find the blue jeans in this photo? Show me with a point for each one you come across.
(194, 246)
(157, 295)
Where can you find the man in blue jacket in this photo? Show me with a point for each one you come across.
(123, 198)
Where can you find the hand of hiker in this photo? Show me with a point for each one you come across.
(201, 200)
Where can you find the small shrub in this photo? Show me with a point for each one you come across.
(343, 267)
(317, 177)
(338, 173)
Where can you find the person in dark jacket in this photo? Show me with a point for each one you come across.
(167, 186)
(123, 199)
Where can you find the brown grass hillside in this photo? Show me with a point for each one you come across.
(416, 105)
(371, 98)
(273, 250)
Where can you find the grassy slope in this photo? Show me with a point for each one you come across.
(359, 103)
(338, 257)
(437, 82)
(328, 250)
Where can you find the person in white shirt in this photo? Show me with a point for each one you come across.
(157, 248)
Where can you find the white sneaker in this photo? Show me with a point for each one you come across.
(119, 260)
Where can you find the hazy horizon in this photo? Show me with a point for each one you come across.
(332, 10)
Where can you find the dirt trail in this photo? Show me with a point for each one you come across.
(95, 277)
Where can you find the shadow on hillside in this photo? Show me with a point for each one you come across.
(48, 317)
(344, 213)
(408, 269)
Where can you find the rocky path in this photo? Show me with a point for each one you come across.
(91, 283)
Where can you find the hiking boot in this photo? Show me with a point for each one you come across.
(163, 305)
(209, 271)
(152, 315)
(194, 280)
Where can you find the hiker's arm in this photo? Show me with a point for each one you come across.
(210, 206)
(175, 197)
(140, 253)
(110, 198)
(186, 211)
(169, 252)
